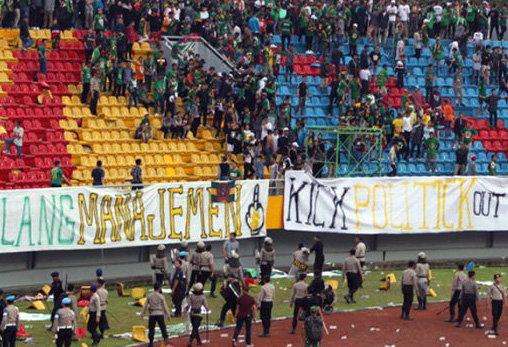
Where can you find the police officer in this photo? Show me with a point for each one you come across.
(300, 262)
(94, 312)
(297, 300)
(178, 286)
(72, 296)
(207, 268)
(468, 297)
(409, 286)
(352, 272)
(422, 272)
(182, 248)
(266, 258)
(64, 324)
(360, 250)
(497, 296)
(265, 300)
(196, 301)
(157, 309)
(195, 262)
(186, 267)
(231, 292)
(57, 291)
(235, 267)
(10, 323)
(103, 296)
(458, 281)
(159, 264)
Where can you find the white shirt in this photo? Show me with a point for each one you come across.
(417, 40)
(406, 124)
(478, 37)
(477, 61)
(404, 12)
(18, 132)
(438, 10)
(365, 74)
(400, 48)
(392, 155)
(392, 12)
(453, 45)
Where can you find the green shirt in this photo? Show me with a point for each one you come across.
(468, 135)
(383, 76)
(471, 13)
(286, 28)
(100, 22)
(42, 54)
(56, 176)
(492, 168)
(429, 79)
(432, 144)
(342, 88)
(158, 88)
(482, 91)
(87, 75)
(437, 51)
(355, 90)
(235, 174)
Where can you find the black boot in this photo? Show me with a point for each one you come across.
(451, 320)
(424, 303)
(420, 304)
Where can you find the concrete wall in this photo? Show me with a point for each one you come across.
(24, 270)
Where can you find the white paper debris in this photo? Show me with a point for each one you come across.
(447, 345)
(484, 318)
(289, 345)
(343, 337)
(398, 330)
(442, 338)
(224, 335)
(492, 336)
(333, 327)
(352, 326)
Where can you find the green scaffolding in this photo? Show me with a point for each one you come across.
(353, 163)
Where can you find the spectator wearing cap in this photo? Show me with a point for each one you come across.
(57, 291)
(10, 322)
(293, 152)
(94, 311)
(283, 142)
(64, 324)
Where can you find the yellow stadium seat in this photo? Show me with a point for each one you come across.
(70, 136)
(37, 305)
(168, 159)
(139, 333)
(191, 147)
(180, 172)
(198, 172)
(130, 161)
(209, 147)
(87, 137)
(333, 283)
(170, 172)
(114, 136)
(214, 159)
(113, 101)
(122, 100)
(140, 302)
(97, 148)
(205, 159)
(97, 136)
(138, 293)
(177, 159)
(8, 55)
(149, 160)
(4, 67)
(181, 147)
(159, 159)
(76, 100)
(4, 79)
(151, 173)
(122, 173)
(67, 36)
(154, 147)
(196, 159)
(72, 89)
(111, 161)
(116, 148)
(144, 148)
(66, 100)
(135, 148)
(120, 161)
(124, 135)
(207, 172)
(126, 148)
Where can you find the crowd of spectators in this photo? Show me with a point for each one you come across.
(243, 104)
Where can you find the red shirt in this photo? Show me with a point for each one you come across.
(245, 304)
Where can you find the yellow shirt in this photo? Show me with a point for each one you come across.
(397, 126)
(426, 119)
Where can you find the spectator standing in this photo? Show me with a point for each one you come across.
(301, 93)
(41, 53)
(224, 169)
(432, 148)
(319, 254)
(448, 112)
(86, 74)
(17, 139)
(493, 165)
(406, 132)
(137, 176)
(98, 174)
(492, 102)
(458, 129)
(245, 313)
(57, 175)
(96, 91)
(472, 166)
(416, 139)
(458, 81)
(393, 157)
(461, 160)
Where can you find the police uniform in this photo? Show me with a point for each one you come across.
(422, 272)
(409, 285)
(360, 252)
(65, 324)
(233, 267)
(179, 287)
(458, 281)
(266, 261)
(103, 323)
(157, 308)
(10, 323)
(207, 267)
(469, 296)
(159, 264)
(94, 311)
(196, 301)
(300, 263)
(195, 259)
(297, 301)
(353, 271)
(266, 296)
(497, 295)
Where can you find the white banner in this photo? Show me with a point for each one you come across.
(393, 205)
(94, 218)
